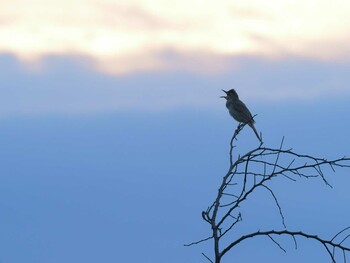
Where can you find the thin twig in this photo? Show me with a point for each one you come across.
(276, 162)
(274, 241)
(207, 257)
(197, 242)
(278, 205)
(340, 232)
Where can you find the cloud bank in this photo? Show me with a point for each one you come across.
(132, 36)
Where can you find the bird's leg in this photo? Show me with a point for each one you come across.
(238, 129)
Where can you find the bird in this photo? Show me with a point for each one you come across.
(238, 110)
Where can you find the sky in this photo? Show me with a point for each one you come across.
(114, 139)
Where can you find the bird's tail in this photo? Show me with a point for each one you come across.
(251, 124)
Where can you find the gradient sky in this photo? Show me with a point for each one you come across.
(114, 139)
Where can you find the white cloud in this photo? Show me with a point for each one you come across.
(128, 35)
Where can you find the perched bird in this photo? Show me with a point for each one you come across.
(238, 110)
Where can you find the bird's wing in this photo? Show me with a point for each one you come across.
(244, 113)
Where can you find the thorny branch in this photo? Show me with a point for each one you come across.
(255, 170)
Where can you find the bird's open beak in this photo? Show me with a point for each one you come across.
(224, 97)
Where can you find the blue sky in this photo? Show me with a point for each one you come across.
(87, 181)
(114, 139)
(71, 85)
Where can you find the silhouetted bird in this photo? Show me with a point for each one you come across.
(238, 110)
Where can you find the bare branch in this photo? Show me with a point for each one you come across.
(286, 232)
(238, 219)
(197, 242)
(274, 241)
(345, 238)
(329, 252)
(278, 156)
(278, 205)
(343, 230)
(253, 170)
(207, 258)
(295, 242)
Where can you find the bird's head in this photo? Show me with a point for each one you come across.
(230, 95)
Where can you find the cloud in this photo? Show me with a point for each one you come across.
(128, 36)
(165, 60)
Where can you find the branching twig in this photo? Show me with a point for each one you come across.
(253, 170)
(324, 242)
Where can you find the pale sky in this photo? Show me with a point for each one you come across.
(136, 35)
